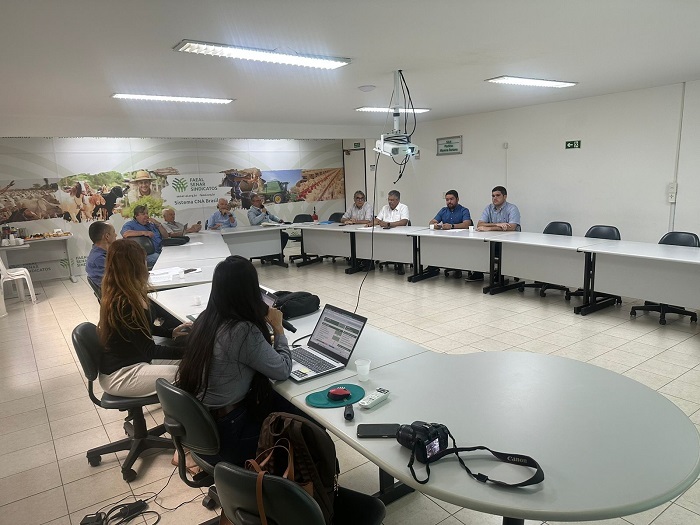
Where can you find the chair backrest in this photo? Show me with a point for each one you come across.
(558, 228)
(284, 501)
(603, 232)
(88, 348)
(3, 270)
(95, 289)
(681, 239)
(303, 217)
(146, 242)
(336, 217)
(187, 419)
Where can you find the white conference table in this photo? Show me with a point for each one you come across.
(212, 247)
(609, 446)
(657, 272)
(256, 241)
(556, 259)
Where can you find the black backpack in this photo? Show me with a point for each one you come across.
(315, 466)
(296, 304)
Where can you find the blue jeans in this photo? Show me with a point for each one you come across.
(151, 260)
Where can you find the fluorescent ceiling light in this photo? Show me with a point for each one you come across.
(536, 82)
(261, 55)
(391, 110)
(161, 98)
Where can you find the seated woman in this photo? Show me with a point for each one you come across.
(132, 361)
(231, 357)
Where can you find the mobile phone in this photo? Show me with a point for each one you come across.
(377, 430)
(190, 270)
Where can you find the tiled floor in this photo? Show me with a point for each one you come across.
(47, 421)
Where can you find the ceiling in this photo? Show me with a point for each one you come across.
(62, 61)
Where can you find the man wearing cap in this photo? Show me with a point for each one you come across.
(142, 186)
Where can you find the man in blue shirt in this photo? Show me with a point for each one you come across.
(257, 214)
(497, 216)
(222, 217)
(453, 216)
(101, 234)
(144, 226)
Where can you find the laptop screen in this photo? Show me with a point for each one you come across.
(337, 332)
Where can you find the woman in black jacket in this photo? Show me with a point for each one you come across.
(132, 361)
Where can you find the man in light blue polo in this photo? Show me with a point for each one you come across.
(497, 216)
(142, 225)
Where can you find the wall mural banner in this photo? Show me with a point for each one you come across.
(72, 201)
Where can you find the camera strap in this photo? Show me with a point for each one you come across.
(515, 459)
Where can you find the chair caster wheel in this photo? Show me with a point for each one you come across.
(633, 314)
(567, 297)
(521, 290)
(94, 461)
(129, 475)
(208, 503)
(694, 319)
(662, 321)
(543, 294)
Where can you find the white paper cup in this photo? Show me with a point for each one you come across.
(181, 274)
(362, 366)
(20, 242)
(197, 300)
(5, 242)
(432, 226)
(471, 228)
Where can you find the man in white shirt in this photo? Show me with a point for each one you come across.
(392, 214)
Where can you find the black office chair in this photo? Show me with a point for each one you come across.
(296, 237)
(599, 231)
(286, 503)
(95, 289)
(553, 228)
(336, 217)
(191, 426)
(89, 349)
(676, 239)
(146, 243)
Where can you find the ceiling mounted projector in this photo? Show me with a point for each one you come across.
(395, 145)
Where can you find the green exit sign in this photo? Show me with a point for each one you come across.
(573, 144)
(356, 145)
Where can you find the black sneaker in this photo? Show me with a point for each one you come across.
(474, 276)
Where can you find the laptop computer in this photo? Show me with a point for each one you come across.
(331, 344)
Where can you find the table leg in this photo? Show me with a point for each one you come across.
(497, 283)
(418, 273)
(390, 490)
(590, 300)
(305, 259)
(354, 264)
(73, 278)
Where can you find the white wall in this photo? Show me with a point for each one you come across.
(618, 177)
(688, 205)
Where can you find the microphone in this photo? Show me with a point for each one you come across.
(289, 326)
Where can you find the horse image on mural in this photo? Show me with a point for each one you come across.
(28, 200)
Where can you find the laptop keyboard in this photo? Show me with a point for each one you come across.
(310, 361)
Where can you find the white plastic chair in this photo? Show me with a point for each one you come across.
(17, 274)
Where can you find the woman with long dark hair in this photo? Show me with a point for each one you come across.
(231, 357)
(129, 365)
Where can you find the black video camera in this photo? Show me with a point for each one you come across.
(426, 439)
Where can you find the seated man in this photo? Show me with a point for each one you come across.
(101, 234)
(144, 226)
(360, 212)
(497, 216)
(452, 217)
(257, 214)
(391, 215)
(176, 229)
(222, 217)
